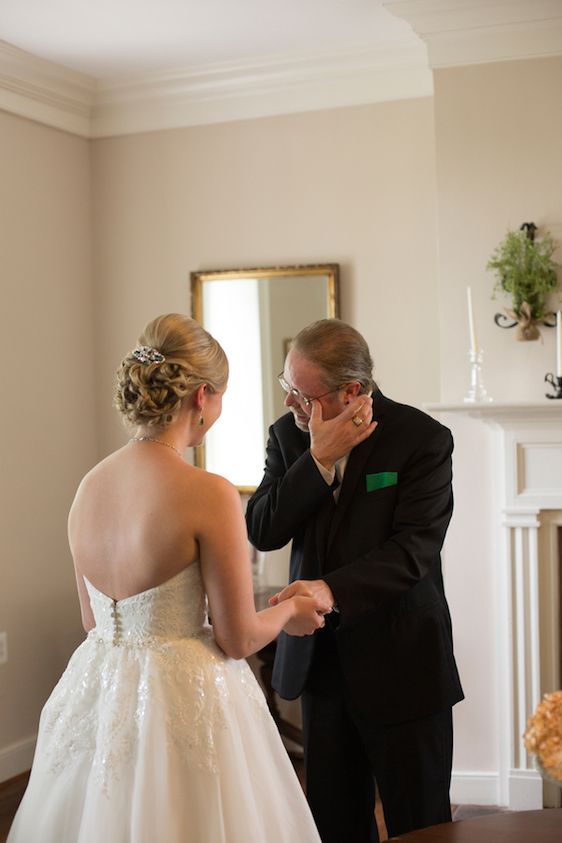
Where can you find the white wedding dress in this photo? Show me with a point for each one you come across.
(153, 735)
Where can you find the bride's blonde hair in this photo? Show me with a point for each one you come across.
(179, 356)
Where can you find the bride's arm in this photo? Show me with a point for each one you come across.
(223, 545)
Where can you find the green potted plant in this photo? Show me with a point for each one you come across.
(524, 268)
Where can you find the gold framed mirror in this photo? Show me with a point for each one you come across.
(254, 313)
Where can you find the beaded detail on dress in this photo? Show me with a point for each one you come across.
(175, 609)
(150, 659)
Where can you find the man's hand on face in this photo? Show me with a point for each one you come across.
(331, 439)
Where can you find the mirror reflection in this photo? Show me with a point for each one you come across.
(254, 314)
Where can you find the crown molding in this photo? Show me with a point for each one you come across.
(46, 92)
(462, 32)
(452, 33)
(270, 86)
(214, 93)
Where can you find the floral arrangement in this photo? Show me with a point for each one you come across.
(525, 269)
(543, 736)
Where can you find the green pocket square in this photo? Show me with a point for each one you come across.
(380, 480)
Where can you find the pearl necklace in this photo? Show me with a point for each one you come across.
(157, 442)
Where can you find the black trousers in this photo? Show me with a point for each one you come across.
(344, 758)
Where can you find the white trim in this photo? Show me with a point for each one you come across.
(475, 788)
(452, 33)
(522, 434)
(504, 411)
(525, 790)
(16, 758)
(514, 42)
(461, 32)
(43, 91)
(452, 15)
(213, 93)
(183, 101)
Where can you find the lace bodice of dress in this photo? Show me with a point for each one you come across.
(175, 609)
(150, 667)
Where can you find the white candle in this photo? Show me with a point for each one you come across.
(559, 344)
(471, 328)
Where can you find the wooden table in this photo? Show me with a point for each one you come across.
(511, 827)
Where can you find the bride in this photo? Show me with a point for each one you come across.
(157, 730)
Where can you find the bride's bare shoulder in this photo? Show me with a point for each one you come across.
(97, 472)
(212, 484)
(211, 492)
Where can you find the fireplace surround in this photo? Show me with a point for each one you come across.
(526, 456)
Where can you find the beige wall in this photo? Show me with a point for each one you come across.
(48, 416)
(354, 186)
(498, 139)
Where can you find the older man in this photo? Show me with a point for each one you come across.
(362, 487)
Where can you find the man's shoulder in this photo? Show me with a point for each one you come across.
(410, 417)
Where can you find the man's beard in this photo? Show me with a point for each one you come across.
(301, 421)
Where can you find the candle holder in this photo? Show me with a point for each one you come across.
(477, 392)
(556, 382)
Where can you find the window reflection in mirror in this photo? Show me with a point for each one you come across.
(254, 314)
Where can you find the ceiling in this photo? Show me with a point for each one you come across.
(109, 38)
(99, 68)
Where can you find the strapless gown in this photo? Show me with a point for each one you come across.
(153, 735)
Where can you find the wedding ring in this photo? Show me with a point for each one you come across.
(357, 421)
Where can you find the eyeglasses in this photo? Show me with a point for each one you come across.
(304, 400)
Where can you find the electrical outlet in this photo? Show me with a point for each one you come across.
(3, 647)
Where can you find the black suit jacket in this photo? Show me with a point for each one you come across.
(379, 551)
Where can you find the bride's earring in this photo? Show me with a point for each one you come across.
(201, 421)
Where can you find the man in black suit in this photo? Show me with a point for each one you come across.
(362, 487)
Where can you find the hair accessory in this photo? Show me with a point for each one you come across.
(147, 354)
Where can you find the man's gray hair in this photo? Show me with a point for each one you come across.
(339, 351)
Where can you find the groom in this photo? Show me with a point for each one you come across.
(362, 487)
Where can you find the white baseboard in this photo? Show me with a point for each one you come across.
(525, 790)
(16, 758)
(474, 788)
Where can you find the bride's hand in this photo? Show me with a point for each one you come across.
(308, 615)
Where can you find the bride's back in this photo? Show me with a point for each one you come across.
(135, 519)
(133, 523)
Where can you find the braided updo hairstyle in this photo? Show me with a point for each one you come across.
(150, 394)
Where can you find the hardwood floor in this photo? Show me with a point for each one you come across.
(12, 791)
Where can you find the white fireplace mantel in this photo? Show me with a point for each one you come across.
(531, 435)
(503, 412)
(527, 456)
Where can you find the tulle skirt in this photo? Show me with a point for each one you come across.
(169, 744)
